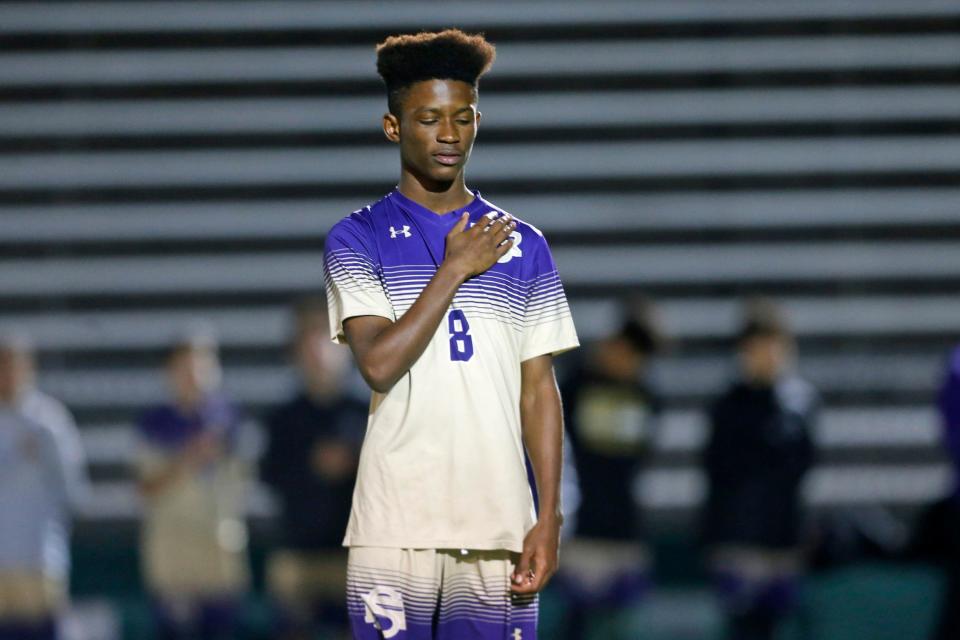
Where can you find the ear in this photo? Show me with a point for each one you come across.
(391, 127)
(478, 117)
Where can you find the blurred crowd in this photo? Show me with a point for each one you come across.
(196, 459)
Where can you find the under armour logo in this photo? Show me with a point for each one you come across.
(405, 231)
(517, 633)
(384, 610)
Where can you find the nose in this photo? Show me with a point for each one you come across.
(447, 132)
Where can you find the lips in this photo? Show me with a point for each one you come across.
(448, 158)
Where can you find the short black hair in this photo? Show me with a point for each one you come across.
(450, 54)
(762, 318)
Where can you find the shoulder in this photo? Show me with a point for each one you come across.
(529, 240)
(49, 413)
(356, 224)
(727, 399)
(797, 395)
(358, 231)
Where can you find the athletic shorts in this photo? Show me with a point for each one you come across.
(436, 594)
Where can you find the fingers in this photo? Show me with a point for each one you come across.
(492, 222)
(503, 248)
(532, 573)
(461, 224)
(521, 574)
(505, 230)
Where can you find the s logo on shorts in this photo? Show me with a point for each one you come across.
(384, 610)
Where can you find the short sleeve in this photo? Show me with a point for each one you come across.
(351, 274)
(547, 323)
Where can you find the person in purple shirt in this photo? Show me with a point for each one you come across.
(192, 477)
(950, 410)
(936, 535)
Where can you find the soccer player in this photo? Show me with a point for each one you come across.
(453, 310)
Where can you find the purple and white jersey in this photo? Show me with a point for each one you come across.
(442, 463)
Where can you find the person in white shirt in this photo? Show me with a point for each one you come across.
(42, 480)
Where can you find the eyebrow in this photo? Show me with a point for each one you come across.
(461, 110)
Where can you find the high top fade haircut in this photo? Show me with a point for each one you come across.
(450, 54)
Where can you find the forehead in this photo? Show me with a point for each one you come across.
(439, 94)
(188, 354)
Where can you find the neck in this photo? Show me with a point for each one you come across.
(12, 398)
(439, 197)
(189, 404)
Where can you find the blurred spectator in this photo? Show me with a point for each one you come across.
(192, 475)
(42, 476)
(611, 411)
(759, 450)
(311, 464)
(937, 535)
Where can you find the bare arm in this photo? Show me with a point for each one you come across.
(541, 419)
(386, 350)
(202, 450)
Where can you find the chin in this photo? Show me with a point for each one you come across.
(444, 175)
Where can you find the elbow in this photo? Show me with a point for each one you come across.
(378, 377)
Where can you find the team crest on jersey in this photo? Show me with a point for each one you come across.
(405, 232)
(515, 251)
(384, 610)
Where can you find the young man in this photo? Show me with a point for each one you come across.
(453, 310)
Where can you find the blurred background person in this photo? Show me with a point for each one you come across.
(193, 476)
(760, 448)
(611, 408)
(42, 477)
(310, 463)
(936, 537)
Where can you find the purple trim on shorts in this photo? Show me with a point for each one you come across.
(405, 608)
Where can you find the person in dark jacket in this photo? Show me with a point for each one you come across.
(310, 463)
(611, 411)
(759, 450)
